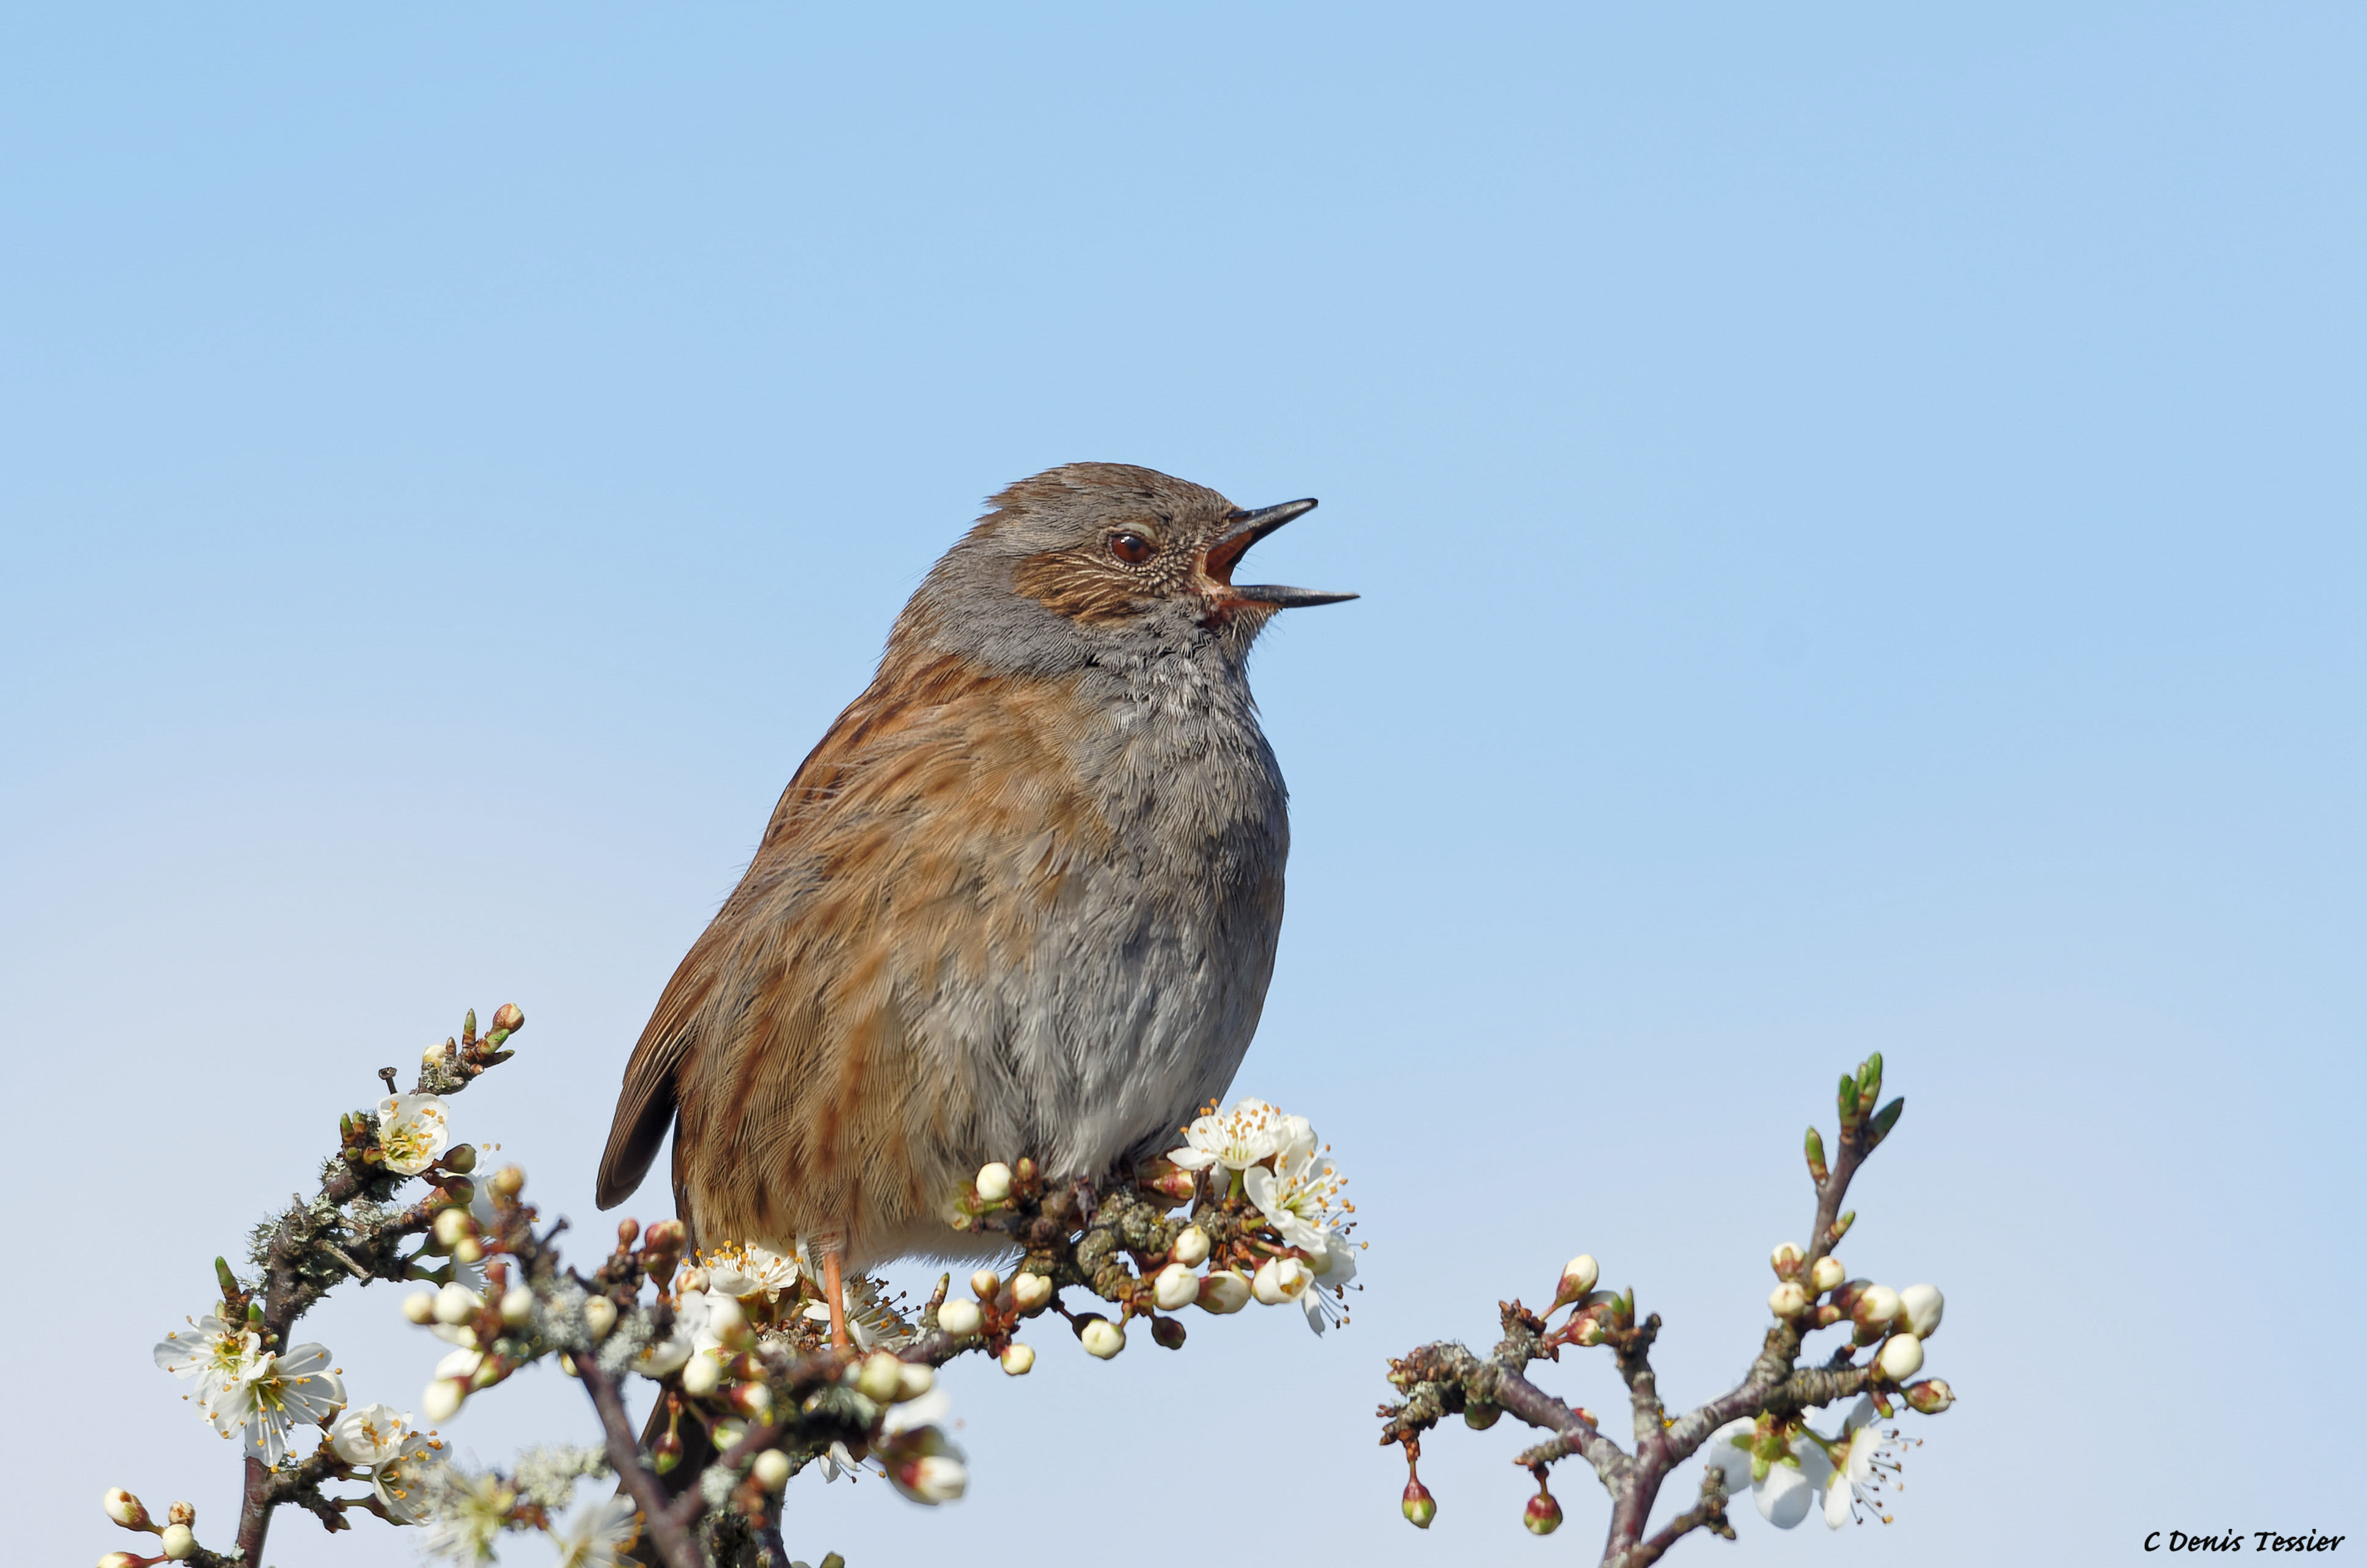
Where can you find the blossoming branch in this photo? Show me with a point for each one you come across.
(1756, 1435)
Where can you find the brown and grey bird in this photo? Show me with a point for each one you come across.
(1022, 898)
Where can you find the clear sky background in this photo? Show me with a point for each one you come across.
(1860, 517)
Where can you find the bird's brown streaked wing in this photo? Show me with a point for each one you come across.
(647, 1103)
(645, 1106)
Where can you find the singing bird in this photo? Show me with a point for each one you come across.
(1022, 898)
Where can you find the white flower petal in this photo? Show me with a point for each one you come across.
(1783, 1495)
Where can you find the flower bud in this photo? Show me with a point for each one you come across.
(567, 1365)
(178, 1542)
(1480, 1416)
(666, 1452)
(1030, 1292)
(517, 1306)
(1175, 1288)
(460, 1160)
(1876, 1305)
(1929, 1397)
(993, 1182)
(1787, 1300)
(1280, 1279)
(119, 1559)
(1589, 1331)
(509, 1181)
(701, 1375)
(452, 1225)
(443, 1399)
(599, 1315)
(771, 1470)
(1224, 1291)
(726, 1321)
(457, 1304)
(1169, 1182)
(1578, 1278)
(1102, 1337)
(913, 1379)
(984, 1284)
(181, 1514)
(1922, 1305)
(1845, 1296)
(1168, 1334)
(959, 1318)
(881, 1376)
(753, 1401)
(931, 1479)
(126, 1510)
(1543, 1515)
(507, 1019)
(1827, 1273)
(1787, 1260)
(1019, 1359)
(420, 1306)
(1420, 1507)
(1902, 1357)
(468, 1249)
(1190, 1248)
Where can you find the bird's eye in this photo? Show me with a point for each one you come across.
(1132, 548)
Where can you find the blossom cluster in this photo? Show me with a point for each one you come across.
(1259, 1153)
(738, 1339)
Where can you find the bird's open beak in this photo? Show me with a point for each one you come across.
(1248, 528)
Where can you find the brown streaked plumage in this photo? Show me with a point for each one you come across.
(1022, 898)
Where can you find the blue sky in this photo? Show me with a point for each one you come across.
(1860, 522)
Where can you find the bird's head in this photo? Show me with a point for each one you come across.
(1109, 556)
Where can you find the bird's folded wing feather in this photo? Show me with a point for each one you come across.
(861, 822)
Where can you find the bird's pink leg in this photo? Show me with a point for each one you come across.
(834, 1283)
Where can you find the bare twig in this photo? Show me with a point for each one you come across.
(667, 1532)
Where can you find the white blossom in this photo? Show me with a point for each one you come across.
(271, 1393)
(470, 1513)
(399, 1479)
(870, 1320)
(1867, 1467)
(709, 1317)
(1237, 1139)
(1298, 1196)
(1902, 1357)
(661, 1356)
(212, 1352)
(1782, 1487)
(1325, 1300)
(368, 1433)
(598, 1536)
(411, 1131)
(1280, 1279)
(746, 1269)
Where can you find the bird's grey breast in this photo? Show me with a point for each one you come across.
(1147, 974)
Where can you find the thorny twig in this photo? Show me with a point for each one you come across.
(1442, 1378)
